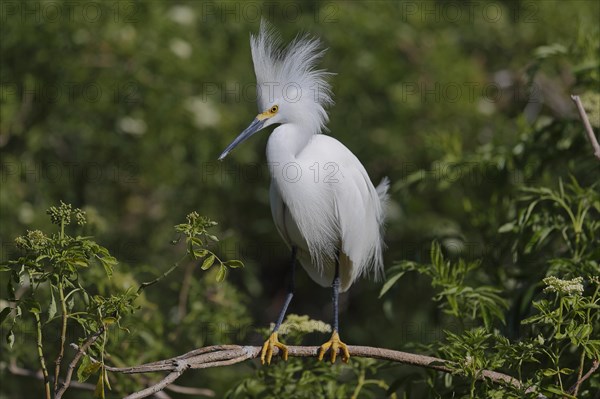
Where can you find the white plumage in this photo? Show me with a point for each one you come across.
(322, 199)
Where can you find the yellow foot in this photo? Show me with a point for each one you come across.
(266, 354)
(335, 344)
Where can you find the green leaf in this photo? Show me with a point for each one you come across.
(221, 274)
(537, 238)
(559, 391)
(234, 264)
(52, 307)
(199, 253)
(208, 262)
(4, 314)
(389, 283)
(197, 241)
(213, 238)
(80, 262)
(549, 372)
(99, 391)
(10, 338)
(505, 228)
(87, 368)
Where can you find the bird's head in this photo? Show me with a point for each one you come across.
(289, 88)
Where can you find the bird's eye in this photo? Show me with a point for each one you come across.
(274, 109)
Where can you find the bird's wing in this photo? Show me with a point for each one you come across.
(357, 207)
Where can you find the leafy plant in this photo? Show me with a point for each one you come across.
(57, 291)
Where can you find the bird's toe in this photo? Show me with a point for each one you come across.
(266, 354)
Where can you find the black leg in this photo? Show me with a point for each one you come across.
(334, 343)
(290, 292)
(336, 293)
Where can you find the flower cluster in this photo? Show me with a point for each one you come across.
(566, 287)
(33, 241)
(62, 214)
(302, 324)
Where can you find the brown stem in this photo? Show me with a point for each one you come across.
(588, 126)
(63, 335)
(575, 388)
(86, 345)
(40, 350)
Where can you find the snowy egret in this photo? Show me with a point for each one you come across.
(323, 203)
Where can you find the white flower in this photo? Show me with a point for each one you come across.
(567, 287)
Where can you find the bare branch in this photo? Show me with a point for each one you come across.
(16, 370)
(225, 355)
(86, 345)
(595, 364)
(179, 369)
(191, 391)
(63, 334)
(588, 126)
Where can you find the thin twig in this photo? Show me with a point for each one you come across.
(40, 350)
(575, 388)
(80, 351)
(179, 370)
(147, 284)
(63, 334)
(16, 370)
(191, 391)
(588, 126)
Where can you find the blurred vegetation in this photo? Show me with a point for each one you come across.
(121, 110)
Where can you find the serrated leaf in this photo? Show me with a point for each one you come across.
(208, 262)
(234, 264)
(221, 274)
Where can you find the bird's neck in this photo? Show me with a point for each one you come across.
(286, 142)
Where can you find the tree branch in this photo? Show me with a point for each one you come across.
(86, 345)
(588, 126)
(63, 334)
(595, 364)
(225, 355)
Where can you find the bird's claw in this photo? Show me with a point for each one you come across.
(335, 344)
(266, 354)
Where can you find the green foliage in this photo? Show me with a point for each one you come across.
(456, 298)
(195, 231)
(54, 273)
(501, 176)
(559, 336)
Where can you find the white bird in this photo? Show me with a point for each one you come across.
(323, 203)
